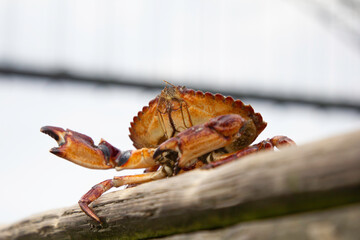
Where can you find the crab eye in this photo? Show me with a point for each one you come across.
(175, 104)
(123, 158)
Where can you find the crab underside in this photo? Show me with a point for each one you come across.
(178, 131)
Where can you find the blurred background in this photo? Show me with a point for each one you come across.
(92, 65)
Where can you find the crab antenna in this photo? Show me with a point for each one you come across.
(167, 83)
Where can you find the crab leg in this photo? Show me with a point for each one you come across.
(270, 144)
(80, 149)
(96, 191)
(138, 158)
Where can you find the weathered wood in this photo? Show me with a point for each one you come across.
(314, 176)
(334, 224)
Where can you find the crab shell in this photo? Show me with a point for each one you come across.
(178, 108)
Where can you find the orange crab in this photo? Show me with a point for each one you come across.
(180, 130)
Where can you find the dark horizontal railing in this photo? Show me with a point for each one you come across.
(65, 76)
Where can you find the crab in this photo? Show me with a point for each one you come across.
(180, 130)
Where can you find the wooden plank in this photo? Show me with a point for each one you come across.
(314, 176)
(331, 224)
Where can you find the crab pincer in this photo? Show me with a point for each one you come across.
(80, 149)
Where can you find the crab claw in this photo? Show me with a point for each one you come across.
(201, 139)
(80, 149)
